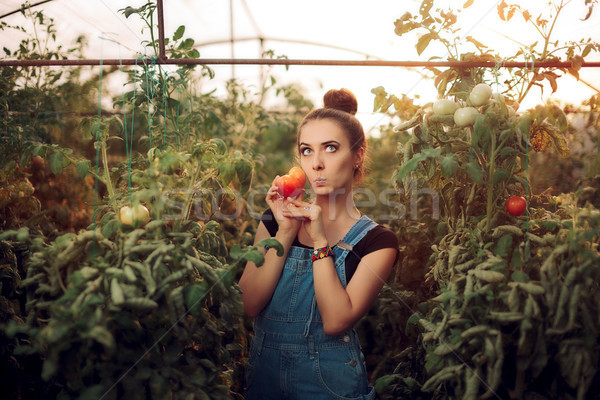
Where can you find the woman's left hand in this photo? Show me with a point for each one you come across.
(312, 220)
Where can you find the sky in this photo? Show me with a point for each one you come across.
(327, 27)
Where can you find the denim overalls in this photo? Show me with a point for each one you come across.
(291, 357)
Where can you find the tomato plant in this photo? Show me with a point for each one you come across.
(493, 322)
(292, 183)
(516, 205)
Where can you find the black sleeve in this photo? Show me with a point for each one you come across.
(377, 238)
(268, 219)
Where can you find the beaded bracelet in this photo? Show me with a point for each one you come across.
(323, 252)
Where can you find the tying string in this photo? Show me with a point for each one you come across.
(98, 125)
(499, 64)
(150, 82)
(177, 114)
(129, 141)
(125, 127)
(164, 99)
(527, 188)
(129, 146)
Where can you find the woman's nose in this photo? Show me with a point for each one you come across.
(317, 162)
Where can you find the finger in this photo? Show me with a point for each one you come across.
(273, 193)
(298, 212)
(274, 183)
(300, 203)
(300, 195)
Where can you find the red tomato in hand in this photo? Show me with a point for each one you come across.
(516, 205)
(290, 184)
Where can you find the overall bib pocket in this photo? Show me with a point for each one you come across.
(341, 372)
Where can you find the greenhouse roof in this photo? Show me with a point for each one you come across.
(330, 30)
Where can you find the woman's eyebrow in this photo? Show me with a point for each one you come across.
(322, 144)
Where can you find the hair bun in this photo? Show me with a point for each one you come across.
(341, 99)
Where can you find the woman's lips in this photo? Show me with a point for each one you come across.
(320, 181)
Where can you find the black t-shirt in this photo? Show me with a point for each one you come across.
(379, 237)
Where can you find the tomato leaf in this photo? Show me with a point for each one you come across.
(226, 172)
(507, 151)
(220, 146)
(256, 256)
(383, 382)
(193, 295)
(510, 14)
(423, 42)
(56, 162)
(477, 43)
(431, 153)
(83, 167)
(501, 8)
(475, 173)
(552, 79)
(93, 392)
(516, 260)
(480, 131)
(519, 276)
(243, 170)
(271, 243)
(103, 336)
(426, 6)
(449, 165)
(235, 251)
(503, 245)
(179, 33)
(499, 175)
(110, 228)
(409, 166)
(574, 72)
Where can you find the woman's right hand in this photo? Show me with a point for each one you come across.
(278, 204)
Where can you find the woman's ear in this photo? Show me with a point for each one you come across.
(359, 156)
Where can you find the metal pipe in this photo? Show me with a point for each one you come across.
(162, 53)
(23, 7)
(305, 62)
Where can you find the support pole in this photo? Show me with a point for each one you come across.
(162, 53)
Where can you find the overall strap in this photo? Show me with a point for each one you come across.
(353, 236)
(356, 233)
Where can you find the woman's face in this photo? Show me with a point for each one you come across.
(327, 158)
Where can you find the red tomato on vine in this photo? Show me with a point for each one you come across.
(290, 184)
(516, 205)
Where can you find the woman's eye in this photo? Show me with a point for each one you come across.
(330, 148)
(305, 151)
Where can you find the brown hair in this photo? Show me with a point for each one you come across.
(340, 105)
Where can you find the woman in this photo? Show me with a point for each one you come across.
(335, 263)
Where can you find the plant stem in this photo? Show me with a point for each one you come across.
(490, 184)
(549, 34)
(107, 181)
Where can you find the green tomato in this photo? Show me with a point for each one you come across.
(138, 215)
(465, 116)
(126, 215)
(480, 94)
(444, 107)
